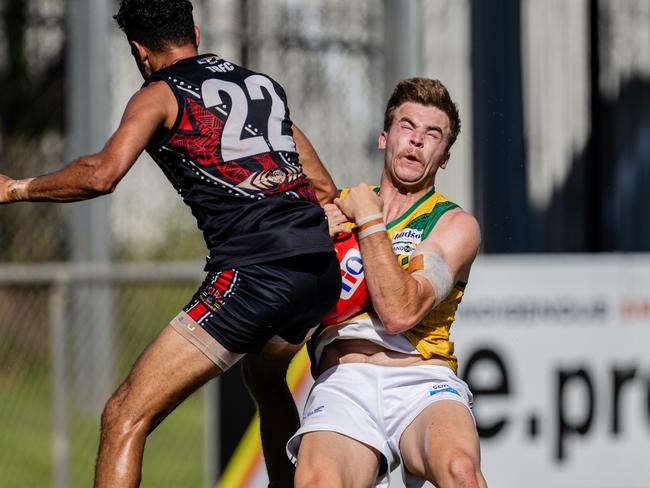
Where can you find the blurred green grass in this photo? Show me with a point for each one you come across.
(173, 454)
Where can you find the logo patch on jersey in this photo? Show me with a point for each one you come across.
(209, 60)
(351, 273)
(273, 180)
(212, 298)
(405, 241)
(222, 284)
(444, 388)
(313, 412)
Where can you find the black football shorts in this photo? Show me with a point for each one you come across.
(243, 308)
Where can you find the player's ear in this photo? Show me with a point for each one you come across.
(197, 35)
(381, 143)
(445, 160)
(141, 56)
(139, 52)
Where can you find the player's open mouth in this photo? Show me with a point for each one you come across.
(411, 158)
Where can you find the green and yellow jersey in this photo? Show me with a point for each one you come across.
(430, 338)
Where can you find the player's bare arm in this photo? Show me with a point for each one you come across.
(313, 168)
(402, 298)
(98, 174)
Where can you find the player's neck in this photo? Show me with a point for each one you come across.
(174, 55)
(396, 201)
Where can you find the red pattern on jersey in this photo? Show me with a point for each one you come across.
(293, 185)
(185, 122)
(307, 192)
(199, 134)
(296, 182)
(235, 171)
(224, 280)
(197, 311)
(266, 161)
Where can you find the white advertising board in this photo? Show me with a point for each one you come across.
(557, 352)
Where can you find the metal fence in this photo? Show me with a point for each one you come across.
(55, 376)
(69, 332)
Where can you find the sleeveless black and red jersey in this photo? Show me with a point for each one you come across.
(232, 158)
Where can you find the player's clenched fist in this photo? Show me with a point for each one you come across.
(361, 200)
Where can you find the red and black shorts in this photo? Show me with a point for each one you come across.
(243, 308)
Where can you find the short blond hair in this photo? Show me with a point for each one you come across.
(424, 91)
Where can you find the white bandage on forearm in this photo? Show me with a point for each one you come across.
(436, 271)
(18, 190)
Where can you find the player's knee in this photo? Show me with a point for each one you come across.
(117, 419)
(322, 473)
(313, 478)
(113, 408)
(462, 471)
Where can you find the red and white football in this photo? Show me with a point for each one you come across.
(354, 294)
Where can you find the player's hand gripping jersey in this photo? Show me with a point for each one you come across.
(232, 157)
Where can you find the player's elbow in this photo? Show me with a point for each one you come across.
(102, 184)
(101, 178)
(405, 312)
(327, 194)
(397, 321)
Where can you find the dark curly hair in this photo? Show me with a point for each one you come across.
(157, 24)
(424, 91)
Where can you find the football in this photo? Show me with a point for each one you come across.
(354, 294)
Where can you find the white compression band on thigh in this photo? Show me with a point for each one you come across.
(208, 345)
(436, 271)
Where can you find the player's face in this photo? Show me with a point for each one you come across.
(415, 145)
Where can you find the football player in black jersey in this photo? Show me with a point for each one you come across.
(223, 136)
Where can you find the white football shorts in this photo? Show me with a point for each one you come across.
(374, 405)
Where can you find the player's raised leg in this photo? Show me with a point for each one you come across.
(331, 460)
(265, 375)
(167, 372)
(442, 446)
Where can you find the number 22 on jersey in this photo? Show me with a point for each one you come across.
(232, 145)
